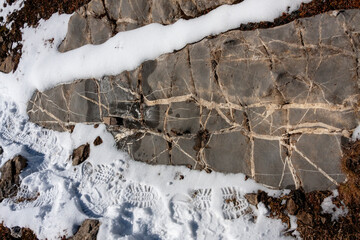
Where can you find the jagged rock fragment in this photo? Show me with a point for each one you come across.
(87, 231)
(98, 141)
(80, 154)
(10, 180)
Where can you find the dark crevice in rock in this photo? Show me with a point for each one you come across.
(109, 18)
(268, 55)
(170, 146)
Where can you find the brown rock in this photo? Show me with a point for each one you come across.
(98, 141)
(80, 154)
(10, 179)
(88, 230)
(305, 217)
(291, 206)
(7, 65)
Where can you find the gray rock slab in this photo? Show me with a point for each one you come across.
(274, 104)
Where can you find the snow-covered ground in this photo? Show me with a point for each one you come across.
(131, 199)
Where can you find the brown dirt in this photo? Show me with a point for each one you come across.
(350, 190)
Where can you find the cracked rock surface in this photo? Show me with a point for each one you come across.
(99, 20)
(275, 104)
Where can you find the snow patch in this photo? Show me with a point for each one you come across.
(329, 207)
(356, 134)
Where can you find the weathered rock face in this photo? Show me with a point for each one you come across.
(10, 180)
(99, 20)
(275, 104)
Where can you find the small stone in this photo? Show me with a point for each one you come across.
(88, 230)
(7, 64)
(1, 150)
(98, 141)
(80, 154)
(16, 232)
(305, 217)
(323, 219)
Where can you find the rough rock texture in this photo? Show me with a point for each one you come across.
(275, 104)
(88, 230)
(99, 20)
(10, 179)
(80, 154)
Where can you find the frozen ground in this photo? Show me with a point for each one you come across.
(132, 200)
